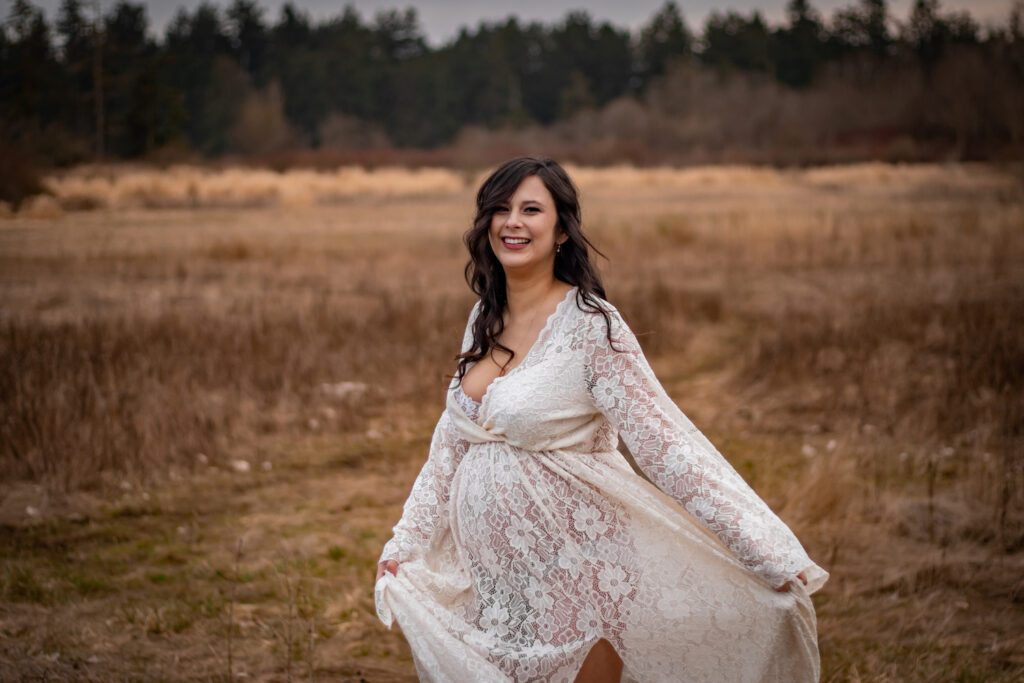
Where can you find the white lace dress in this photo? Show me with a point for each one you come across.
(527, 536)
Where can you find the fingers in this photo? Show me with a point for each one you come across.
(389, 565)
(784, 588)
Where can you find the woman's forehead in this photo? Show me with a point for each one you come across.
(532, 189)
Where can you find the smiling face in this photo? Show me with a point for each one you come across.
(523, 232)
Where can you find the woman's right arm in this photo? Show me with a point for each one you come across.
(426, 509)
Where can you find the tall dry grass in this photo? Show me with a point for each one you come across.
(850, 337)
(134, 394)
(903, 315)
(182, 186)
(190, 186)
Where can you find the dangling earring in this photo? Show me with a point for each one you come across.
(558, 249)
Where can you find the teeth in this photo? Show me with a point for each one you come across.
(515, 240)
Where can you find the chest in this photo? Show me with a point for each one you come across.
(499, 363)
(545, 387)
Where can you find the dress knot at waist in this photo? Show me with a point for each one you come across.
(470, 430)
(577, 436)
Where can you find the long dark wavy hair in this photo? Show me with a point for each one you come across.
(484, 272)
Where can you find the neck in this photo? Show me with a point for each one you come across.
(526, 294)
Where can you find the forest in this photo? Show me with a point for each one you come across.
(86, 85)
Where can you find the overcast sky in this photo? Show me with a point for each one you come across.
(441, 19)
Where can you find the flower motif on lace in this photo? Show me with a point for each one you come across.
(520, 533)
(488, 557)
(750, 529)
(545, 629)
(503, 591)
(568, 564)
(539, 596)
(588, 622)
(494, 619)
(506, 472)
(610, 389)
(677, 458)
(424, 493)
(588, 520)
(701, 508)
(612, 580)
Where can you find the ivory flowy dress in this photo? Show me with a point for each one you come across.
(527, 536)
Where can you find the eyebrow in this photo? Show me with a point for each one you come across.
(527, 201)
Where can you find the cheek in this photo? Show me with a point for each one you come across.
(546, 230)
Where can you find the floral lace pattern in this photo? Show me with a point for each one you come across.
(469, 405)
(526, 536)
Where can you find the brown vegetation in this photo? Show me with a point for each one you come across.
(212, 415)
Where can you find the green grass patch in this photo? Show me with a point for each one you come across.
(21, 584)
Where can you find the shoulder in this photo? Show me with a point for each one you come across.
(591, 304)
(467, 335)
(595, 311)
(600, 323)
(474, 311)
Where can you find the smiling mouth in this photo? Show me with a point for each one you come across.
(515, 240)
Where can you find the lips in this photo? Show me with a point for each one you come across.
(515, 243)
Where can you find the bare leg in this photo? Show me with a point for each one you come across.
(602, 665)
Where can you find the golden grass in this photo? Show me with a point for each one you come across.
(267, 367)
(121, 187)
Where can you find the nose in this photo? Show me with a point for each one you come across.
(514, 218)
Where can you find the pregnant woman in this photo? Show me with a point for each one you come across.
(529, 549)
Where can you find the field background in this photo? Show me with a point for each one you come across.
(217, 386)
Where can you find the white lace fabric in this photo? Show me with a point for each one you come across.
(527, 536)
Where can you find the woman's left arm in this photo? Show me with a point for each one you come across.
(683, 463)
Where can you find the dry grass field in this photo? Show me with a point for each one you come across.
(217, 385)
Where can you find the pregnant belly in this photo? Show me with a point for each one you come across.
(544, 550)
(518, 508)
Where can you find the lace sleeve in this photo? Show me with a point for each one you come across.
(681, 461)
(425, 511)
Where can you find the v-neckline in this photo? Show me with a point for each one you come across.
(536, 343)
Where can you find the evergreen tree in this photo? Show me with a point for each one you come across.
(249, 38)
(77, 52)
(863, 27)
(128, 88)
(929, 33)
(193, 45)
(799, 45)
(733, 41)
(665, 38)
(31, 78)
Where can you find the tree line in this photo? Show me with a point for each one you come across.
(95, 84)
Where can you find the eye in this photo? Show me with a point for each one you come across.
(501, 209)
(532, 208)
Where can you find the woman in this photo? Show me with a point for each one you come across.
(528, 549)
